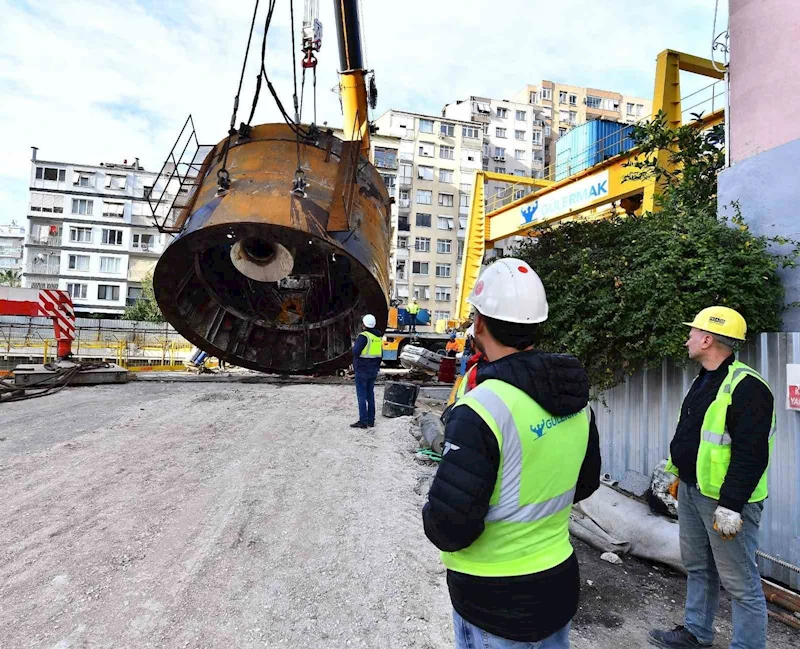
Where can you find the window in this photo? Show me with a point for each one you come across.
(444, 246)
(639, 110)
(112, 237)
(519, 172)
(519, 193)
(442, 270)
(77, 291)
(548, 131)
(499, 170)
(422, 292)
(561, 131)
(78, 262)
(562, 97)
(563, 115)
(113, 209)
(447, 152)
(422, 244)
(390, 180)
(424, 197)
(594, 102)
(426, 149)
(500, 152)
(547, 93)
(109, 264)
(444, 222)
(465, 187)
(107, 292)
(573, 100)
(401, 269)
(521, 115)
(82, 206)
(573, 117)
(47, 203)
(463, 200)
(441, 315)
(80, 235)
(405, 174)
(500, 132)
(385, 158)
(537, 137)
(402, 224)
(116, 182)
(148, 191)
(83, 179)
(419, 267)
(460, 249)
(446, 176)
(143, 241)
(471, 132)
(502, 113)
(424, 173)
(402, 243)
(519, 135)
(423, 220)
(442, 293)
(426, 126)
(447, 130)
(445, 200)
(462, 222)
(51, 173)
(519, 154)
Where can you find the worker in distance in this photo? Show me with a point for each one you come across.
(367, 354)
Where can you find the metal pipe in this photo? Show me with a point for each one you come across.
(348, 30)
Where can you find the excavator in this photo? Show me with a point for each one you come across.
(281, 231)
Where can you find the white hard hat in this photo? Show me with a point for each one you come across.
(369, 321)
(510, 290)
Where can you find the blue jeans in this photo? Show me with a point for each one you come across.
(365, 393)
(469, 636)
(710, 560)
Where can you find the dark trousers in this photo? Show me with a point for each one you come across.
(365, 393)
(413, 322)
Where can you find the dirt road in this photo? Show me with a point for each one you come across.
(219, 516)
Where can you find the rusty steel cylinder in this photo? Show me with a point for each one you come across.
(275, 280)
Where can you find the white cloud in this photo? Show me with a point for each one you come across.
(95, 80)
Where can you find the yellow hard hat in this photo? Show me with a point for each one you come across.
(720, 320)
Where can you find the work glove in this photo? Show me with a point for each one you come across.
(672, 488)
(727, 522)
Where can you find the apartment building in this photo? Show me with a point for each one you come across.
(564, 106)
(12, 239)
(436, 163)
(513, 136)
(91, 232)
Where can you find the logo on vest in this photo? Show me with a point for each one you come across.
(540, 429)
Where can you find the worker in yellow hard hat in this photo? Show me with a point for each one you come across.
(520, 448)
(721, 451)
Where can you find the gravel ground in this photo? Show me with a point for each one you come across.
(202, 515)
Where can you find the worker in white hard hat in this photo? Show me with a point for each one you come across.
(367, 353)
(520, 448)
(721, 452)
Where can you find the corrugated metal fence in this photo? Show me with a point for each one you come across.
(638, 421)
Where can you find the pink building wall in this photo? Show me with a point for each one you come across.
(764, 75)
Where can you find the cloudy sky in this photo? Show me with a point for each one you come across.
(106, 80)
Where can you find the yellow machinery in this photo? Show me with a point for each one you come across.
(582, 193)
(282, 230)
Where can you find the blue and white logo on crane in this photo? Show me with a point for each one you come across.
(566, 199)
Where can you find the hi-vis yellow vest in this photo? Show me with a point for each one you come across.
(714, 454)
(526, 528)
(464, 385)
(374, 348)
(413, 309)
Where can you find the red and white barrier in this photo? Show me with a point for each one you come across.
(47, 303)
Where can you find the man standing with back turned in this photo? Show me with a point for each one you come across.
(412, 310)
(367, 354)
(520, 449)
(721, 452)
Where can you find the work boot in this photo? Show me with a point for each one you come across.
(371, 424)
(358, 424)
(678, 638)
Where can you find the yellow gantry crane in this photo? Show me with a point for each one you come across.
(582, 193)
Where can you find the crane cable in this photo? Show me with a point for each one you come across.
(223, 177)
(299, 185)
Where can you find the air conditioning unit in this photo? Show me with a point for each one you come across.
(145, 247)
(499, 158)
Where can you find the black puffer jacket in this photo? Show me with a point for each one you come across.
(531, 607)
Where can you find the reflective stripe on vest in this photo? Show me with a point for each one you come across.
(526, 528)
(714, 454)
(374, 347)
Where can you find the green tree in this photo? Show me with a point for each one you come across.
(145, 308)
(620, 288)
(10, 278)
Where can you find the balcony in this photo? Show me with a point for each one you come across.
(404, 203)
(43, 269)
(404, 226)
(51, 241)
(401, 253)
